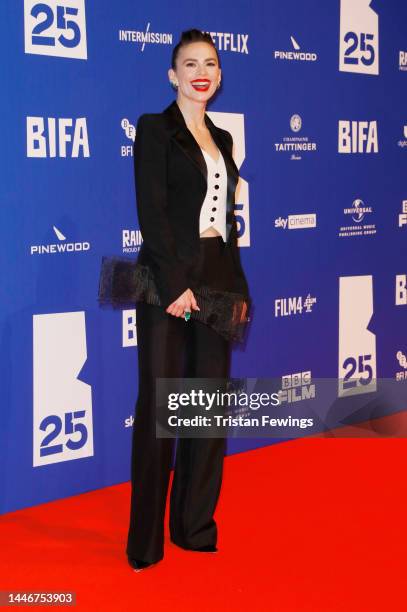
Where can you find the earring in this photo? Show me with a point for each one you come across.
(174, 85)
(218, 85)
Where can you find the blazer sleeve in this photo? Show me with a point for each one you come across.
(242, 285)
(150, 170)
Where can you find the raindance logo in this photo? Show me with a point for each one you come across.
(403, 143)
(130, 132)
(295, 144)
(296, 55)
(403, 60)
(357, 212)
(61, 247)
(131, 241)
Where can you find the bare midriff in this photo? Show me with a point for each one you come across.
(210, 233)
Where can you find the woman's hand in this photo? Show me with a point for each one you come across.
(186, 301)
(242, 315)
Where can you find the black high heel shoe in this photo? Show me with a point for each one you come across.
(209, 548)
(139, 565)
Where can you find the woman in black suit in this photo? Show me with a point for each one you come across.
(185, 187)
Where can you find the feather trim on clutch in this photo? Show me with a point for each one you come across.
(123, 282)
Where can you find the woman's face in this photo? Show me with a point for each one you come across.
(197, 71)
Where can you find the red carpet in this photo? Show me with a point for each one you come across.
(305, 525)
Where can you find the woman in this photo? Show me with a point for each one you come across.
(185, 186)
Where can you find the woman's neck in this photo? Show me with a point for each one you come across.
(194, 113)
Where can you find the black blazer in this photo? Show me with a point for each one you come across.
(171, 184)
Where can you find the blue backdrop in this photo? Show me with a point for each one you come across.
(315, 96)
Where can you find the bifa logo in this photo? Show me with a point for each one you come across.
(55, 27)
(63, 426)
(130, 132)
(403, 214)
(359, 37)
(131, 241)
(401, 290)
(62, 246)
(357, 344)
(357, 137)
(57, 137)
(129, 329)
(403, 60)
(285, 307)
(296, 387)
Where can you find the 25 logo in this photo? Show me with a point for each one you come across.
(357, 343)
(55, 27)
(55, 420)
(361, 368)
(240, 221)
(359, 44)
(359, 37)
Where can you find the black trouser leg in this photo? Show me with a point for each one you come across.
(199, 461)
(161, 343)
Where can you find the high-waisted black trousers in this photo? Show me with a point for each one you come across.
(170, 347)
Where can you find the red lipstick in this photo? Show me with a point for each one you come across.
(201, 84)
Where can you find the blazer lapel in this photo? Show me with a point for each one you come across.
(185, 140)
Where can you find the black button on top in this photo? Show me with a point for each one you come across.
(215, 197)
(216, 186)
(212, 218)
(217, 175)
(214, 208)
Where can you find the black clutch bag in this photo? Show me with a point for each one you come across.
(123, 282)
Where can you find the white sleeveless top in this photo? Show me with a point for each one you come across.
(213, 211)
